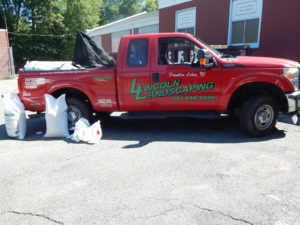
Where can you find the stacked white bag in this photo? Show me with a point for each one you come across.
(56, 116)
(15, 118)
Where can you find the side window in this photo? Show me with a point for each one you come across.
(137, 55)
(176, 51)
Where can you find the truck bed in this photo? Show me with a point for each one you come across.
(96, 85)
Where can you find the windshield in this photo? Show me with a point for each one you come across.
(209, 47)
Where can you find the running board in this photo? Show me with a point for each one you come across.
(172, 114)
(37, 115)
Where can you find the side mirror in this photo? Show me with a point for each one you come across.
(204, 57)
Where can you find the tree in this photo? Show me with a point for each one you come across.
(39, 18)
(11, 10)
(60, 20)
(113, 10)
(80, 15)
(151, 5)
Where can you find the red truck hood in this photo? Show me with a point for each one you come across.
(263, 62)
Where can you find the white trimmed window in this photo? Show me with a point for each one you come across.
(245, 22)
(186, 21)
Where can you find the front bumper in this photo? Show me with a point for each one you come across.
(293, 100)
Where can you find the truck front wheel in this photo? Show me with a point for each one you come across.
(76, 109)
(258, 116)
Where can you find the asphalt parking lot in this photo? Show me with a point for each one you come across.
(156, 172)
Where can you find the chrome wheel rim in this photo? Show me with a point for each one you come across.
(264, 117)
(74, 115)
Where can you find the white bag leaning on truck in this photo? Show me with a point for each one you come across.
(15, 118)
(56, 116)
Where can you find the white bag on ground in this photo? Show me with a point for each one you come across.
(15, 118)
(86, 133)
(94, 133)
(56, 116)
(80, 130)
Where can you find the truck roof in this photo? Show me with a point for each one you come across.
(158, 35)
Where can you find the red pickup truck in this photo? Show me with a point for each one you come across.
(174, 74)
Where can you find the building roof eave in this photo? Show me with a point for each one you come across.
(135, 21)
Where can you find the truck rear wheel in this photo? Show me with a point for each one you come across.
(259, 115)
(76, 109)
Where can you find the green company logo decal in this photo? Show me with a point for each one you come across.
(164, 89)
(102, 78)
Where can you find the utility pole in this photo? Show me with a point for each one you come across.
(6, 30)
(5, 22)
(10, 52)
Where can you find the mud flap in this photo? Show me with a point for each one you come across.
(295, 118)
(294, 105)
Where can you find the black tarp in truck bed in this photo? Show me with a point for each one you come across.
(89, 55)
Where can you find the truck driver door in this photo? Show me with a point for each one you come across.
(178, 83)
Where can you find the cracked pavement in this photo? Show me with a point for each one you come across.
(151, 172)
(33, 215)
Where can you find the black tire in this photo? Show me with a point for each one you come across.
(259, 115)
(77, 109)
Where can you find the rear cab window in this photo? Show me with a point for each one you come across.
(137, 55)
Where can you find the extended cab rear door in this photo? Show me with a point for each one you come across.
(134, 73)
(178, 84)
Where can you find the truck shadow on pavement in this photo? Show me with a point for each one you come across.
(179, 130)
(145, 131)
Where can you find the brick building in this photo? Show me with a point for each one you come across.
(268, 27)
(265, 27)
(5, 53)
